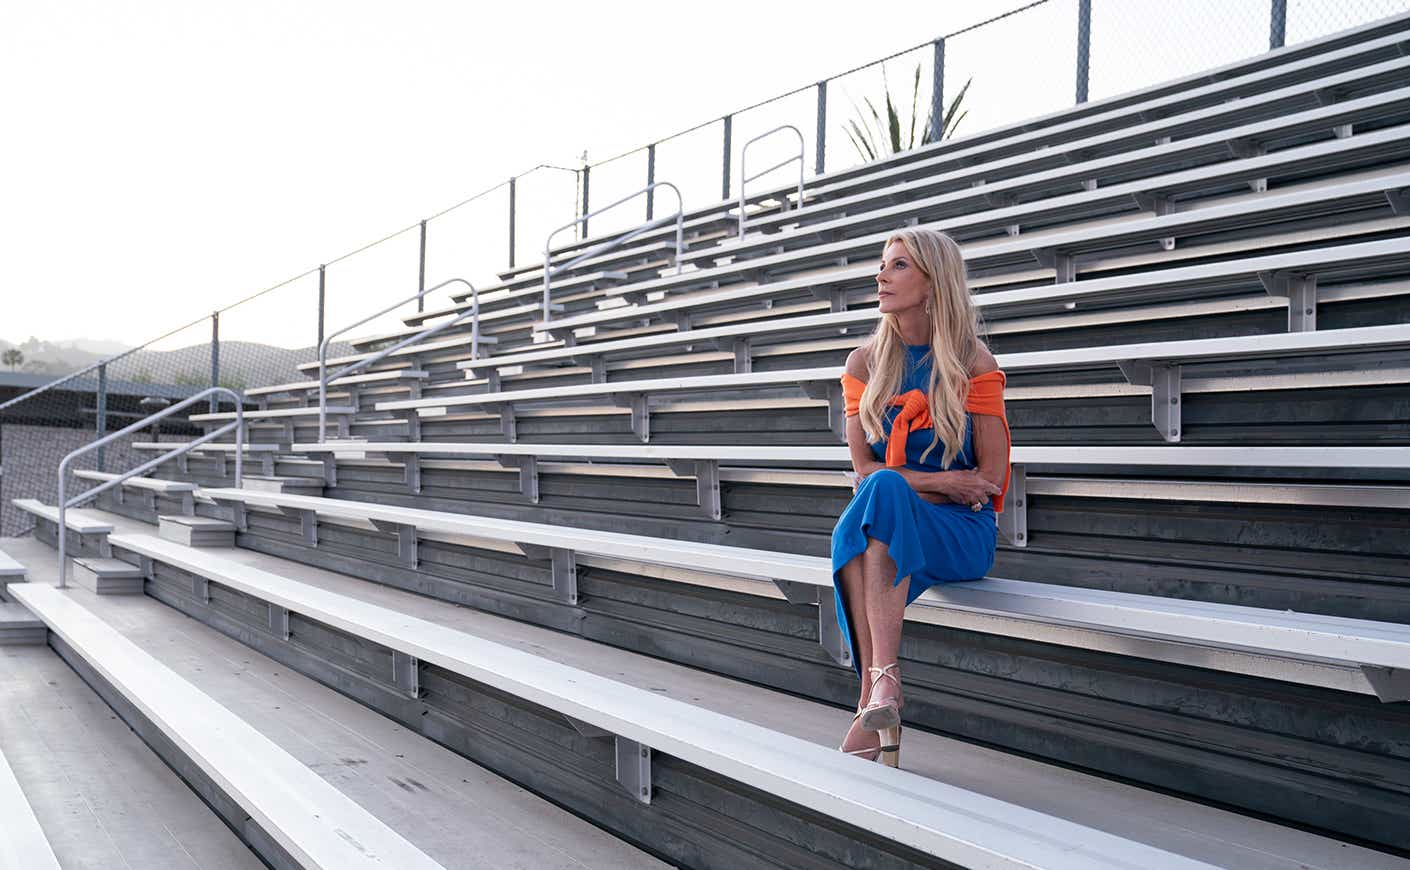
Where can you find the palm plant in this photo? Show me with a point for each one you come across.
(874, 138)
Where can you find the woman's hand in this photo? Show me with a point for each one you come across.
(967, 488)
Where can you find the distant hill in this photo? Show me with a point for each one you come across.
(243, 364)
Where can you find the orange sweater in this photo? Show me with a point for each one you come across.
(986, 396)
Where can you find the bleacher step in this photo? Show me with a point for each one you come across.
(19, 627)
(197, 531)
(283, 484)
(103, 798)
(457, 813)
(23, 845)
(109, 576)
(1185, 828)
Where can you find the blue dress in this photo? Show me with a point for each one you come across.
(930, 543)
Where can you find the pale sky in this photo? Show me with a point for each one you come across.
(162, 159)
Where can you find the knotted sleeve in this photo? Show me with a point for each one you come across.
(986, 396)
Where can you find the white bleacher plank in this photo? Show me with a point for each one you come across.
(163, 487)
(309, 818)
(76, 520)
(9, 568)
(1368, 338)
(1008, 253)
(947, 822)
(1045, 297)
(346, 381)
(277, 413)
(650, 385)
(967, 211)
(23, 845)
(1356, 642)
(208, 447)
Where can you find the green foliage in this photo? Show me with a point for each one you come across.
(13, 358)
(875, 138)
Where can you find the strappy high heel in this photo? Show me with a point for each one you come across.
(870, 752)
(884, 717)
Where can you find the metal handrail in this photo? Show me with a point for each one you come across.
(679, 217)
(324, 378)
(745, 178)
(64, 504)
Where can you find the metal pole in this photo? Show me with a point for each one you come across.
(215, 358)
(587, 177)
(421, 272)
(1278, 24)
(102, 409)
(937, 91)
(822, 126)
(650, 179)
(321, 298)
(729, 131)
(511, 223)
(1084, 46)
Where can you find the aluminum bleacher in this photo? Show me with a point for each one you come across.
(592, 558)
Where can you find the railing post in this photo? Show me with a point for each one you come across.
(102, 408)
(937, 91)
(511, 223)
(421, 273)
(215, 358)
(1278, 24)
(1084, 46)
(650, 180)
(724, 176)
(587, 177)
(321, 297)
(822, 127)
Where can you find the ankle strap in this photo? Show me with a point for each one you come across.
(885, 671)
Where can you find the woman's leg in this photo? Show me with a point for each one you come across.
(854, 595)
(886, 606)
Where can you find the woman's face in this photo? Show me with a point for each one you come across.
(900, 284)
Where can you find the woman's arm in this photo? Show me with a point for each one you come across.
(990, 443)
(863, 461)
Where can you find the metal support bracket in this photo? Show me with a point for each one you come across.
(1399, 201)
(528, 473)
(743, 356)
(1164, 381)
(406, 674)
(308, 523)
(1300, 289)
(1244, 148)
(1160, 205)
(1389, 684)
(707, 482)
(407, 547)
(829, 630)
(832, 392)
(279, 621)
(641, 415)
(563, 564)
(147, 567)
(507, 423)
(634, 769)
(330, 469)
(585, 729)
(411, 472)
(201, 589)
(1013, 522)
(835, 297)
(1063, 266)
(599, 369)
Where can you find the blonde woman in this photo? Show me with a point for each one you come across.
(930, 446)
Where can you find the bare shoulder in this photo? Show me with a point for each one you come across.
(858, 365)
(982, 362)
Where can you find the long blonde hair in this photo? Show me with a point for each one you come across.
(954, 338)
